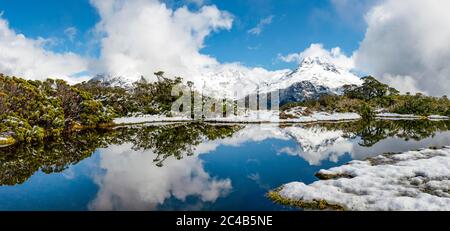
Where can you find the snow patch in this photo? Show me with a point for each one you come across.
(149, 119)
(438, 117)
(395, 115)
(414, 180)
(249, 117)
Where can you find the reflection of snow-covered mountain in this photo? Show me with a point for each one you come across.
(316, 144)
(313, 77)
(315, 139)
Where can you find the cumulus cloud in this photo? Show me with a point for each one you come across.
(143, 36)
(28, 58)
(406, 44)
(260, 26)
(335, 55)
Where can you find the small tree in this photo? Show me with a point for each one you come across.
(366, 111)
(159, 75)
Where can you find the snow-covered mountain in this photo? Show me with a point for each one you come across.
(314, 76)
(318, 71)
(115, 81)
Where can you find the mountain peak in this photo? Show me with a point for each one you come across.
(322, 62)
(315, 60)
(320, 71)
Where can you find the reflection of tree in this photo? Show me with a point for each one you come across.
(373, 131)
(19, 162)
(175, 140)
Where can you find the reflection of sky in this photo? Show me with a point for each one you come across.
(69, 190)
(254, 168)
(132, 181)
(230, 174)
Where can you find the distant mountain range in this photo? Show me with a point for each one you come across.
(315, 76)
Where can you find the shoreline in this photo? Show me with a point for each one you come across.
(405, 181)
(314, 118)
(329, 118)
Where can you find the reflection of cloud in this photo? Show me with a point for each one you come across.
(131, 181)
(69, 174)
(317, 144)
(251, 133)
(257, 179)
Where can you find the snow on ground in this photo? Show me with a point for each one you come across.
(296, 115)
(410, 116)
(438, 117)
(395, 115)
(149, 119)
(323, 116)
(273, 117)
(414, 180)
(250, 117)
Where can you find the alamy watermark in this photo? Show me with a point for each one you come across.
(236, 104)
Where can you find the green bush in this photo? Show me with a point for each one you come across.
(34, 110)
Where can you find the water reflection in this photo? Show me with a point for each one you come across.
(131, 180)
(363, 139)
(19, 162)
(201, 166)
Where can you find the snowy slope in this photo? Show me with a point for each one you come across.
(320, 72)
(313, 77)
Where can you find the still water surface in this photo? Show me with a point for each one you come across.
(193, 166)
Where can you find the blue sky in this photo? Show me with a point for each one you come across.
(295, 24)
(403, 43)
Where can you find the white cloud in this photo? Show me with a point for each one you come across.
(352, 12)
(406, 44)
(403, 83)
(71, 32)
(28, 58)
(144, 36)
(260, 26)
(335, 55)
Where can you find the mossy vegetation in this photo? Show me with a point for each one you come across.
(309, 205)
(32, 110)
(143, 97)
(325, 176)
(374, 95)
